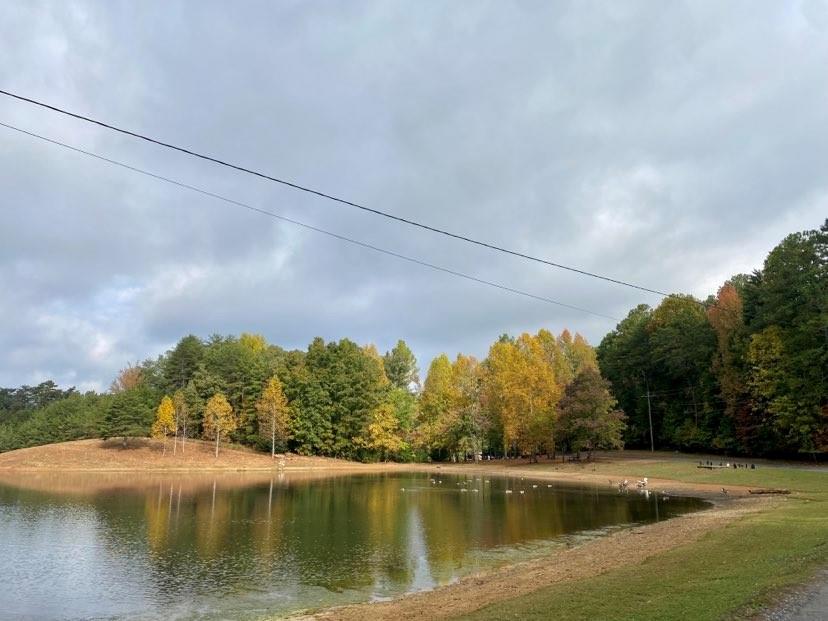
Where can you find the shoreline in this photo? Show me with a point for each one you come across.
(629, 546)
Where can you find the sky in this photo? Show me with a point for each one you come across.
(668, 144)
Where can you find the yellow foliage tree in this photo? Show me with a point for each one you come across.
(164, 420)
(521, 391)
(274, 413)
(218, 419)
(254, 342)
(383, 432)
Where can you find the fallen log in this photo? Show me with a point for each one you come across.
(769, 491)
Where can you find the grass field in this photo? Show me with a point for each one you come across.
(729, 573)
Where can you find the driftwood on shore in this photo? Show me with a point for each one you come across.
(769, 491)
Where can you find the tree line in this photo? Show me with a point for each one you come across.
(532, 394)
(743, 371)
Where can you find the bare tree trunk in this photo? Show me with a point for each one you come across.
(184, 436)
(273, 438)
(165, 442)
(175, 437)
(218, 433)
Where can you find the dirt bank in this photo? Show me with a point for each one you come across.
(147, 455)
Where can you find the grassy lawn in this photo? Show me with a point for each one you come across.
(728, 573)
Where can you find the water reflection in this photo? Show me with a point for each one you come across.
(247, 545)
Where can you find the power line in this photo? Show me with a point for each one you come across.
(309, 190)
(310, 227)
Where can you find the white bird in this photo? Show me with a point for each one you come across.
(464, 490)
(534, 487)
(508, 491)
(549, 485)
(522, 492)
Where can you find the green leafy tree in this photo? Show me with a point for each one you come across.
(588, 418)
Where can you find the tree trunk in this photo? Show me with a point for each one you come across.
(165, 443)
(273, 438)
(218, 433)
(123, 441)
(184, 436)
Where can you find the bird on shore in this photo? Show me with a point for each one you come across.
(642, 482)
(534, 487)
(508, 491)
(522, 492)
(724, 491)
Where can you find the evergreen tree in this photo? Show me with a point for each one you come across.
(401, 366)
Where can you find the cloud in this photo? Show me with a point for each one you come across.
(669, 145)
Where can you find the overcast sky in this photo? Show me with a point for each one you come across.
(669, 144)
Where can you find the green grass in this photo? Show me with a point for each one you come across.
(728, 573)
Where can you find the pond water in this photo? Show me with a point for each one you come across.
(253, 546)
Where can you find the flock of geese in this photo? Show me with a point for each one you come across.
(623, 487)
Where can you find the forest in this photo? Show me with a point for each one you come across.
(741, 372)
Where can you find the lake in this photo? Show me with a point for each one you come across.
(250, 546)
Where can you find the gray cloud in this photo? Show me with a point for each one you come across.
(666, 144)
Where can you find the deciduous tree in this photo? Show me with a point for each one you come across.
(164, 420)
(219, 419)
(274, 414)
